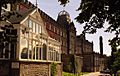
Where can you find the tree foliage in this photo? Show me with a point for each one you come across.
(95, 12)
(63, 2)
(3, 3)
(116, 64)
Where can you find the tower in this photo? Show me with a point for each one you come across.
(65, 21)
(63, 18)
(101, 45)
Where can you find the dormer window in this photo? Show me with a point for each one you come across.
(18, 7)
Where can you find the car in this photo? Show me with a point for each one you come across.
(105, 71)
(102, 74)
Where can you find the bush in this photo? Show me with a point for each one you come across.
(118, 73)
(53, 69)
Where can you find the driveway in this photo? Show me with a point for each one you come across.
(96, 74)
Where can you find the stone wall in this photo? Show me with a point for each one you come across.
(4, 68)
(59, 70)
(78, 63)
(27, 68)
(34, 69)
(68, 63)
(38, 69)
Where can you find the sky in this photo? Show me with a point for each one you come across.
(53, 7)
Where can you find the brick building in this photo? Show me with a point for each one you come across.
(61, 31)
(57, 32)
(34, 50)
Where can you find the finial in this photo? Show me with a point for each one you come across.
(36, 3)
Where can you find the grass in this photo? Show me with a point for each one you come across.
(71, 74)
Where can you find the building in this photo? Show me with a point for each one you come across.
(91, 61)
(79, 54)
(58, 34)
(86, 49)
(64, 33)
(34, 50)
(100, 62)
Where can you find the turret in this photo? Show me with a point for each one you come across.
(63, 18)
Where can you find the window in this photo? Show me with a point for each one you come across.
(30, 24)
(37, 28)
(49, 26)
(57, 31)
(34, 27)
(44, 52)
(24, 53)
(24, 48)
(30, 35)
(18, 7)
(53, 54)
(30, 52)
(1, 51)
(40, 29)
(54, 29)
(40, 53)
(60, 33)
(34, 48)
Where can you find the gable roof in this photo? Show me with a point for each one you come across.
(17, 16)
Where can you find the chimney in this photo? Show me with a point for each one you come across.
(101, 45)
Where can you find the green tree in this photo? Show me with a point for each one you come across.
(116, 64)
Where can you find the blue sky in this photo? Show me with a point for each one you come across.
(52, 8)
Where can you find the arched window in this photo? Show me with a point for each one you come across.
(24, 48)
(24, 53)
(44, 52)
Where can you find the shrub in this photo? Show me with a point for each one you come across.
(53, 69)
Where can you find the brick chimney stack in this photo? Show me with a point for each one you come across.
(101, 45)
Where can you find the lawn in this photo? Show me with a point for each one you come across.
(72, 74)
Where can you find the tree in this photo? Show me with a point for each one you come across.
(63, 2)
(115, 54)
(3, 3)
(116, 64)
(96, 12)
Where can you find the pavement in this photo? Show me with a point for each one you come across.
(96, 74)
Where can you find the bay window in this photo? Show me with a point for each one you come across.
(37, 48)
